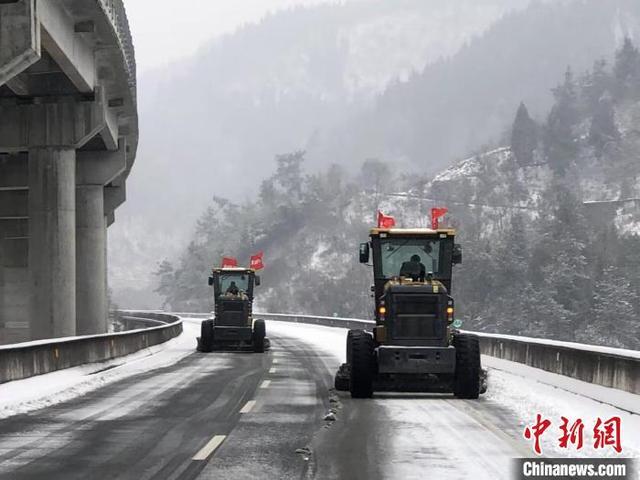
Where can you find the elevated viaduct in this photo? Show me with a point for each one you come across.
(68, 140)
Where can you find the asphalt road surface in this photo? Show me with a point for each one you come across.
(244, 415)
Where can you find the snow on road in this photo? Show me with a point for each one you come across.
(22, 396)
(440, 435)
(528, 391)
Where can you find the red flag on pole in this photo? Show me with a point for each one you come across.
(436, 214)
(229, 262)
(385, 221)
(256, 261)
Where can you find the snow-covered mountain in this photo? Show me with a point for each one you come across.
(457, 105)
(495, 184)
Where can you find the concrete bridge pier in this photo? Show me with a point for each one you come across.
(91, 243)
(52, 246)
(15, 290)
(94, 171)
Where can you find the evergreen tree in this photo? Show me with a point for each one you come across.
(512, 255)
(628, 262)
(613, 320)
(289, 175)
(166, 280)
(603, 131)
(560, 144)
(524, 136)
(596, 84)
(560, 261)
(627, 70)
(541, 314)
(376, 177)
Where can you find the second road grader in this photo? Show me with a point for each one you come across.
(233, 326)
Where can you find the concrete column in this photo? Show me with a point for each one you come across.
(15, 291)
(3, 315)
(106, 263)
(14, 278)
(91, 244)
(52, 242)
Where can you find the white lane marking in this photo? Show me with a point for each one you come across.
(265, 384)
(272, 370)
(210, 447)
(248, 406)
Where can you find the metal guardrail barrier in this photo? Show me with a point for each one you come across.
(28, 359)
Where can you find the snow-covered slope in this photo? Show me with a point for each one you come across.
(496, 185)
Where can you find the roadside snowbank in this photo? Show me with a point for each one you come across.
(528, 391)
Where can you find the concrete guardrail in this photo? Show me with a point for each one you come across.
(28, 359)
(608, 367)
(339, 322)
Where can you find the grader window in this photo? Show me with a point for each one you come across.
(241, 282)
(399, 253)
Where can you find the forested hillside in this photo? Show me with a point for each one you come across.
(552, 235)
(549, 223)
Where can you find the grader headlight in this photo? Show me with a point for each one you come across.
(450, 312)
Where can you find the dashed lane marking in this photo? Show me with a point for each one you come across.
(248, 406)
(265, 384)
(209, 448)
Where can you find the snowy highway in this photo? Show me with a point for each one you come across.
(173, 413)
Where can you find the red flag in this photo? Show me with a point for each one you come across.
(437, 213)
(229, 262)
(385, 221)
(256, 261)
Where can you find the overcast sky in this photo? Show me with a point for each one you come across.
(165, 30)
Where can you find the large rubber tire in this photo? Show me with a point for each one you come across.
(259, 332)
(206, 336)
(362, 364)
(467, 376)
